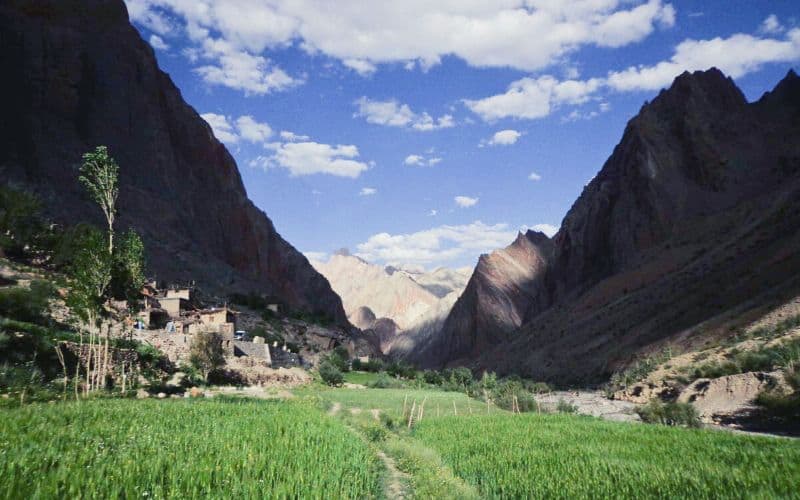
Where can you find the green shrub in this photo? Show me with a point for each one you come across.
(330, 374)
(401, 370)
(384, 381)
(676, 414)
(565, 407)
(27, 304)
(432, 377)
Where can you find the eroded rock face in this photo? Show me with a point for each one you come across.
(78, 75)
(692, 217)
(504, 285)
(727, 395)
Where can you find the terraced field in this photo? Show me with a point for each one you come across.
(182, 449)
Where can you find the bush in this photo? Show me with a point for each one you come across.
(373, 365)
(401, 370)
(432, 377)
(564, 407)
(384, 381)
(676, 414)
(206, 353)
(330, 374)
(27, 304)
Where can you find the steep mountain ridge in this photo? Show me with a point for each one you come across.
(392, 300)
(78, 75)
(688, 224)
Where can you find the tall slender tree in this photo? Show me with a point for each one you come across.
(99, 174)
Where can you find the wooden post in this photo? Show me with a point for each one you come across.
(455, 410)
(411, 414)
(422, 409)
(405, 402)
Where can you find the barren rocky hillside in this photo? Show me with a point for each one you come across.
(78, 75)
(689, 226)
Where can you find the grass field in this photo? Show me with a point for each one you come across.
(566, 456)
(390, 401)
(362, 378)
(182, 449)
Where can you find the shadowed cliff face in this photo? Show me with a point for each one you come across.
(78, 75)
(691, 221)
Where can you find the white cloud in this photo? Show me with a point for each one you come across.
(523, 34)
(244, 128)
(360, 66)
(421, 161)
(435, 245)
(367, 191)
(504, 138)
(158, 43)
(532, 98)
(771, 25)
(223, 130)
(292, 137)
(736, 56)
(240, 70)
(308, 158)
(143, 12)
(433, 213)
(548, 229)
(251, 130)
(465, 201)
(392, 113)
(535, 177)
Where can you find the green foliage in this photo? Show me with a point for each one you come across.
(565, 407)
(400, 369)
(99, 175)
(127, 272)
(27, 304)
(679, 414)
(206, 352)
(22, 228)
(384, 381)
(566, 456)
(766, 358)
(330, 374)
(90, 273)
(432, 377)
(638, 371)
(182, 449)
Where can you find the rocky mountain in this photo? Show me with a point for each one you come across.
(78, 75)
(689, 228)
(391, 300)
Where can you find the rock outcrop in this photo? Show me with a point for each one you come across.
(398, 305)
(77, 75)
(692, 219)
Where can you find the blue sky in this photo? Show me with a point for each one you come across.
(425, 133)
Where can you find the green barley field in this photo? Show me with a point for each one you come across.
(567, 456)
(182, 449)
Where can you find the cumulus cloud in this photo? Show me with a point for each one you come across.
(308, 158)
(223, 130)
(158, 43)
(292, 137)
(504, 138)
(422, 161)
(532, 98)
(244, 128)
(392, 113)
(436, 245)
(523, 34)
(737, 55)
(771, 25)
(367, 191)
(240, 70)
(535, 177)
(251, 130)
(465, 201)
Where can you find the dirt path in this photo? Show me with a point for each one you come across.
(395, 485)
(335, 409)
